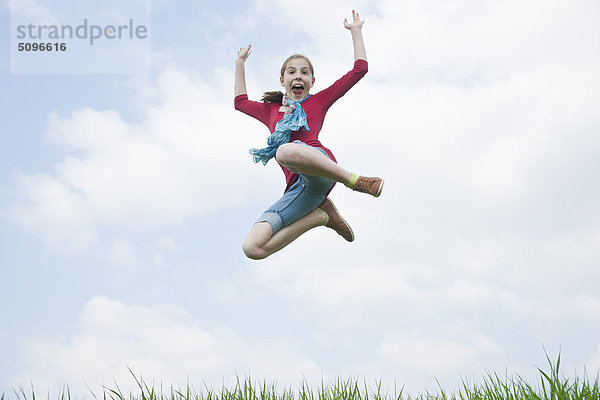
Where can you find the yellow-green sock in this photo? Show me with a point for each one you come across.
(326, 219)
(353, 179)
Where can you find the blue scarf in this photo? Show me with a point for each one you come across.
(293, 120)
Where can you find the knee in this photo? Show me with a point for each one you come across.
(253, 251)
(288, 154)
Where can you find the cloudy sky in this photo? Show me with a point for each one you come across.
(124, 199)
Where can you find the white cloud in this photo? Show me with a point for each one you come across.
(586, 304)
(474, 41)
(424, 354)
(162, 344)
(188, 156)
(124, 254)
(479, 293)
(333, 286)
(593, 364)
(415, 360)
(55, 210)
(169, 244)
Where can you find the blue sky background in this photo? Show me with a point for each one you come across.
(124, 200)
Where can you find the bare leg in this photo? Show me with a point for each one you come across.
(310, 161)
(261, 242)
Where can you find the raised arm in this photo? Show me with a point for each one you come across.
(240, 70)
(355, 28)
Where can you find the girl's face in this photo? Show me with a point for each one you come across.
(297, 78)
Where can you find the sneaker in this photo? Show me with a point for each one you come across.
(372, 186)
(336, 222)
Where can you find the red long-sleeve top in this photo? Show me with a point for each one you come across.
(315, 106)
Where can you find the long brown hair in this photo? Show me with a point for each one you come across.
(277, 96)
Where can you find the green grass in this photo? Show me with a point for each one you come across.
(552, 385)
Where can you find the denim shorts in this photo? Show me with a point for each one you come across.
(305, 195)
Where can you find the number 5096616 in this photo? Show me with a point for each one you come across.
(42, 46)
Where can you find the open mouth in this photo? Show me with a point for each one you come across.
(297, 89)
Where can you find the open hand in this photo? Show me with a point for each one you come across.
(243, 53)
(356, 22)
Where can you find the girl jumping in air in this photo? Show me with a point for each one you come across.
(294, 119)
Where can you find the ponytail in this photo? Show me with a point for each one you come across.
(272, 97)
